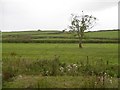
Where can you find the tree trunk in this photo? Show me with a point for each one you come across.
(80, 36)
(80, 41)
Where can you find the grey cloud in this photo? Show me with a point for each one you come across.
(25, 14)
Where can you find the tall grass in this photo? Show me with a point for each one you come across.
(16, 66)
(19, 65)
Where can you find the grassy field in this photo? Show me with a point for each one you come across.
(103, 34)
(60, 65)
(67, 52)
(100, 34)
(59, 37)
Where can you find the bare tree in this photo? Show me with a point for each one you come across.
(81, 23)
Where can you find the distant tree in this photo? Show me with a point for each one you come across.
(81, 23)
(39, 30)
(64, 30)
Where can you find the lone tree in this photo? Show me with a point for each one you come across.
(81, 23)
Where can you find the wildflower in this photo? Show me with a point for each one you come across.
(99, 77)
(110, 81)
(20, 76)
(47, 72)
(69, 66)
(105, 73)
(95, 83)
(61, 69)
(68, 69)
(75, 65)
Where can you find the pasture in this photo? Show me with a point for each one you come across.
(67, 52)
(52, 59)
(59, 37)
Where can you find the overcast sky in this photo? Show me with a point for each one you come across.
(55, 14)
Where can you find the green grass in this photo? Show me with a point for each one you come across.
(31, 32)
(17, 57)
(59, 37)
(57, 82)
(67, 52)
(25, 64)
(103, 34)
